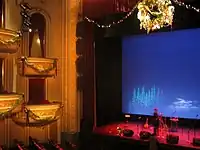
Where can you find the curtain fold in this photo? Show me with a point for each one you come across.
(38, 24)
(31, 35)
(86, 67)
(41, 33)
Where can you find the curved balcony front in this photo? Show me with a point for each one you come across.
(37, 67)
(10, 104)
(38, 115)
(9, 42)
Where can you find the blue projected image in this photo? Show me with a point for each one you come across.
(162, 70)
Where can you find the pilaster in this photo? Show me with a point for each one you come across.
(73, 118)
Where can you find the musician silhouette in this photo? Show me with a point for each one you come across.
(155, 121)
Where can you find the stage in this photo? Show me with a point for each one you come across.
(185, 135)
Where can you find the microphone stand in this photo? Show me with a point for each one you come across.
(182, 131)
(138, 130)
(194, 129)
(171, 122)
(189, 136)
(126, 120)
(194, 126)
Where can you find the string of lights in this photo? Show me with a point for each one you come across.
(186, 6)
(182, 4)
(114, 22)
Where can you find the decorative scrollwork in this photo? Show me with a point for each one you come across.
(41, 67)
(9, 105)
(38, 117)
(15, 40)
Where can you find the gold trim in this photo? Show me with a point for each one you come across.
(8, 32)
(38, 115)
(9, 104)
(35, 66)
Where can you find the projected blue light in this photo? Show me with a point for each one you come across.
(162, 70)
(146, 97)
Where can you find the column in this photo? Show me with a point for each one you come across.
(21, 133)
(71, 120)
(8, 86)
(72, 105)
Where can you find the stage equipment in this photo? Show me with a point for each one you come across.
(127, 117)
(196, 141)
(174, 121)
(119, 131)
(144, 135)
(128, 133)
(194, 125)
(163, 128)
(137, 129)
(172, 139)
(188, 137)
(146, 125)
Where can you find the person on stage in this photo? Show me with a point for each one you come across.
(155, 121)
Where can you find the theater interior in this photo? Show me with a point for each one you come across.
(99, 74)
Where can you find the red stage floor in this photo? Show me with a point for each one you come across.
(185, 139)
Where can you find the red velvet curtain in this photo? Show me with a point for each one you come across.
(36, 91)
(89, 74)
(93, 9)
(85, 68)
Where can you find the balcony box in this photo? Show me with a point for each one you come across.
(39, 115)
(10, 103)
(9, 42)
(37, 67)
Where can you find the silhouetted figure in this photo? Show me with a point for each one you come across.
(155, 121)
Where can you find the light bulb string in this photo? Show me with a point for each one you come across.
(182, 4)
(114, 22)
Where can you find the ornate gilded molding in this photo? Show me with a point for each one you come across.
(9, 42)
(37, 67)
(9, 104)
(38, 115)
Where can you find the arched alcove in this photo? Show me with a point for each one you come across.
(37, 36)
(37, 48)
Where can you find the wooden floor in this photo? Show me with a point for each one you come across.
(185, 135)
